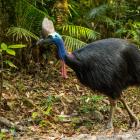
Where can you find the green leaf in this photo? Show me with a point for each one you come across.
(47, 112)
(11, 52)
(0, 50)
(34, 115)
(3, 46)
(79, 32)
(10, 63)
(17, 46)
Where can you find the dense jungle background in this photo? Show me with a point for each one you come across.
(35, 101)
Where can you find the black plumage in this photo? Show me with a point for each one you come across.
(109, 66)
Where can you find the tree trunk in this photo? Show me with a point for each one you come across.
(7, 16)
(61, 10)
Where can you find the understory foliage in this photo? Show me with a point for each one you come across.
(7, 50)
(86, 20)
(28, 21)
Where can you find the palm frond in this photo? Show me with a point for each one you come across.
(19, 33)
(107, 20)
(73, 10)
(79, 31)
(31, 6)
(72, 44)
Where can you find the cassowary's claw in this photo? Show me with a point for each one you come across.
(134, 122)
(109, 125)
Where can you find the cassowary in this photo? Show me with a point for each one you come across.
(108, 66)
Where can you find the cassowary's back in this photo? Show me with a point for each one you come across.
(108, 65)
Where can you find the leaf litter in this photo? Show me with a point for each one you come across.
(52, 107)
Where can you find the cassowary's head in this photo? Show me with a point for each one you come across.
(54, 38)
(51, 37)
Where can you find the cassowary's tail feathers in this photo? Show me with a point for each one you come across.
(132, 57)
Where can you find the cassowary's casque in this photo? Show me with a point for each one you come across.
(108, 65)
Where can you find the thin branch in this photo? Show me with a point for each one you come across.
(10, 124)
(1, 77)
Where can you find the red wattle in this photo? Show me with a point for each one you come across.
(63, 69)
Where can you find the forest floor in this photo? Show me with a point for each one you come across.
(47, 106)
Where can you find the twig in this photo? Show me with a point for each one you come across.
(10, 124)
(1, 77)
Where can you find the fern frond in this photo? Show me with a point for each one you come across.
(72, 44)
(78, 32)
(19, 33)
(29, 16)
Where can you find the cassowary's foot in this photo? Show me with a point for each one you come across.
(109, 129)
(109, 125)
(134, 120)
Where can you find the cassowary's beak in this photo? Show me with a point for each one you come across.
(42, 42)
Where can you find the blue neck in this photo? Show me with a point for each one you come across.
(61, 49)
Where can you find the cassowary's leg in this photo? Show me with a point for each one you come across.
(112, 111)
(134, 119)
